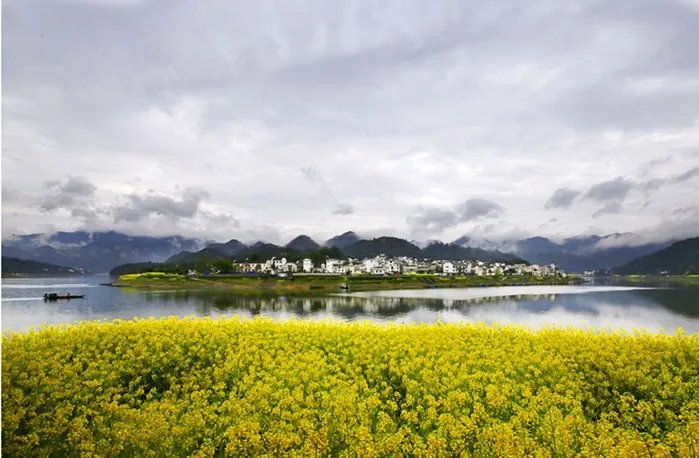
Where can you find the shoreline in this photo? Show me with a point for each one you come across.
(324, 285)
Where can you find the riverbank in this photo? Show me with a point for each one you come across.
(325, 284)
(657, 280)
(233, 388)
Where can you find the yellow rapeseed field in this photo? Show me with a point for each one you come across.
(147, 276)
(198, 387)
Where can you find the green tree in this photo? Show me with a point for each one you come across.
(224, 266)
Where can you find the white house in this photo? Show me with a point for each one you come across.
(307, 265)
(279, 264)
(332, 266)
(448, 268)
(392, 267)
(369, 265)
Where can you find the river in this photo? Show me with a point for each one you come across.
(587, 306)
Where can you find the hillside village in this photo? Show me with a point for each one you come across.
(387, 265)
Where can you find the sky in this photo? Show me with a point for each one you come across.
(425, 120)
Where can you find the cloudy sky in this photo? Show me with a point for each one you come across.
(428, 120)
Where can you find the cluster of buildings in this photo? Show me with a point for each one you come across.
(385, 265)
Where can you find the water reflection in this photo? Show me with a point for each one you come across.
(600, 307)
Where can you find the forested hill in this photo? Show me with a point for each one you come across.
(679, 258)
(15, 267)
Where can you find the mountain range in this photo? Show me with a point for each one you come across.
(345, 245)
(679, 258)
(95, 251)
(576, 254)
(101, 251)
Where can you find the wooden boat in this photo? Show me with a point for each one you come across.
(56, 296)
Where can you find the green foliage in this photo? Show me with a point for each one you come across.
(224, 266)
(144, 267)
(230, 388)
(319, 256)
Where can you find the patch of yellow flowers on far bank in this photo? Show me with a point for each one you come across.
(150, 276)
(200, 387)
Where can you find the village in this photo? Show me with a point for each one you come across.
(387, 265)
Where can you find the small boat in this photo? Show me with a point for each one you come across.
(56, 296)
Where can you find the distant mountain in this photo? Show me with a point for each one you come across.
(205, 254)
(439, 250)
(302, 243)
(257, 251)
(262, 251)
(679, 258)
(230, 248)
(342, 240)
(97, 251)
(535, 245)
(101, 251)
(485, 244)
(575, 254)
(390, 246)
(14, 267)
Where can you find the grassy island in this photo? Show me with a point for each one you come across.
(206, 388)
(325, 284)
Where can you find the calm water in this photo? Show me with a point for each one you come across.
(535, 306)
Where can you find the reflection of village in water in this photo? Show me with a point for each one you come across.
(352, 308)
(431, 310)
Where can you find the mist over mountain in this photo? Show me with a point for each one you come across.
(101, 251)
(439, 250)
(96, 251)
(574, 254)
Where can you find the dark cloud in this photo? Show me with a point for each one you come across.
(478, 208)
(142, 207)
(611, 194)
(675, 179)
(610, 208)
(343, 209)
(66, 194)
(614, 190)
(78, 186)
(562, 198)
(431, 220)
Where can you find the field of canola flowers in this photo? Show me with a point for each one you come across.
(199, 387)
